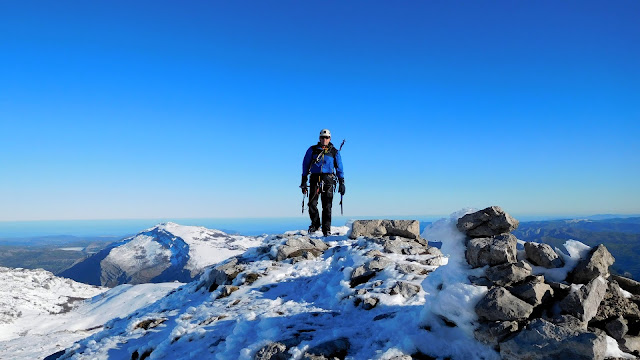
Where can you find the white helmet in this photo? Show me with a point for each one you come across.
(325, 132)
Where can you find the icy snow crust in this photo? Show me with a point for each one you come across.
(311, 302)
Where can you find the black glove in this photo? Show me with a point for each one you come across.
(341, 186)
(303, 184)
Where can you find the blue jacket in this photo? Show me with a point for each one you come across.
(329, 161)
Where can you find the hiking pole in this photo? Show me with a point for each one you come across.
(343, 140)
(303, 203)
(341, 205)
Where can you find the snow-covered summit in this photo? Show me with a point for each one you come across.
(165, 252)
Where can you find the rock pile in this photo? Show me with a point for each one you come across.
(526, 316)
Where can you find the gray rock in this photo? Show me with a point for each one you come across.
(617, 328)
(533, 291)
(615, 304)
(542, 340)
(596, 264)
(630, 344)
(405, 289)
(373, 253)
(301, 246)
(403, 246)
(542, 255)
(491, 250)
(337, 348)
(433, 261)
(583, 303)
(378, 228)
(408, 269)
(272, 351)
(369, 303)
(432, 250)
(499, 305)
(378, 264)
(222, 274)
(487, 222)
(227, 290)
(570, 322)
(509, 273)
(560, 290)
(493, 333)
(361, 275)
(627, 284)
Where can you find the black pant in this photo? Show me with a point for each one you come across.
(321, 188)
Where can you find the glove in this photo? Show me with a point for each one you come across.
(303, 184)
(341, 186)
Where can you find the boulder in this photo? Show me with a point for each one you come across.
(491, 250)
(272, 351)
(615, 304)
(542, 340)
(570, 322)
(494, 332)
(408, 269)
(630, 344)
(404, 246)
(534, 291)
(361, 275)
(583, 302)
(596, 264)
(627, 284)
(499, 305)
(405, 289)
(542, 255)
(617, 328)
(487, 222)
(337, 348)
(301, 246)
(378, 264)
(378, 228)
(509, 273)
(222, 274)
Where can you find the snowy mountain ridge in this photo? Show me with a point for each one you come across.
(165, 252)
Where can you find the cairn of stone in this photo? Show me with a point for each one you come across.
(526, 316)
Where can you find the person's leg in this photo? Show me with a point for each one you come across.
(327, 202)
(314, 195)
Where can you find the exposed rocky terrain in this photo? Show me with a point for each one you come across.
(527, 315)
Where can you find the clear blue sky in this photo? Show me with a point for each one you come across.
(164, 109)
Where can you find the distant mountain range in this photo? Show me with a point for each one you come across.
(166, 252)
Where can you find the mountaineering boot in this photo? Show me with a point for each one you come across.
(313, 228)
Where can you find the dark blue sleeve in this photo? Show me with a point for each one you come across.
(307, 161)
(339, 168)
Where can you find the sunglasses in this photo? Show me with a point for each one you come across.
(325, 137)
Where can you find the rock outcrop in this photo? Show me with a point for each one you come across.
(597, 264)
(378, 228)
(491, 251)
(519, 314)
(488, 222)
(542, 255)
(542, 340)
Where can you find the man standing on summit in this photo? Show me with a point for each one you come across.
(323, 162)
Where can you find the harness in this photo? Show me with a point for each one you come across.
(321, 152)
